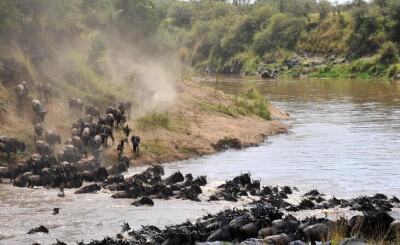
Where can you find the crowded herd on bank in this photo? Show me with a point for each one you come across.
(268, 219)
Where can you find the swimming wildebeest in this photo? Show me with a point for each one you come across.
(39, 229)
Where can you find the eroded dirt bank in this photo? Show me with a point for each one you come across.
(196, 127)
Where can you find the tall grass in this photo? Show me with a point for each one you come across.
(252, 102)
(155, 119)
(3, 98)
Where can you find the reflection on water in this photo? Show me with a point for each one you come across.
(344, 141)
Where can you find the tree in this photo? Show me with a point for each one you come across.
(137, 17)
(282, 32)
(324, 8)
(389, 53)
(9, 14)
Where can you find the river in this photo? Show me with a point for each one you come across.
(344, 141)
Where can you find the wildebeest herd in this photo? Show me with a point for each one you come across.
(264, 221)
(88, 133)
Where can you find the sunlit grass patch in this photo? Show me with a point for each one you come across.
(155, 119)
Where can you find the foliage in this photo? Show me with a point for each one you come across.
(389, 53)
(282, 32)
(143, 14)
(97, 49)
(252, 102)
(324, 9)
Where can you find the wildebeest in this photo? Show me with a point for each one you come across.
(143, 201)
(52, 138)
(118, 168)
(75, 104)
(22, 91)
(135, 139)
(47, 91)
(88, 189)
(11, 146)
(38, 111)
(96, 142)
(42, 148)
(93, 111)
(38, 130)
(96, 175)
(110, 119)
(106, 131)
(126, 130)
(125, 108)
(39, 229)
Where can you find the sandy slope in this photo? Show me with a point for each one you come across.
(199, 129)
(194, 129)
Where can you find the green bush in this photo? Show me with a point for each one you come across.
(389, 53)
(97, 49)
(252, 102)
(392, 71)
(282, 32)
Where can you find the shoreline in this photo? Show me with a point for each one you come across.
(197, 126)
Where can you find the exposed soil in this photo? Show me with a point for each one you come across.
(200, 129)
(194, 129)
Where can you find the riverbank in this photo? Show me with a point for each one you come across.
(201, 121)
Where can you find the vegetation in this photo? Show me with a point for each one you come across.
(249, 103)
(3, 99)
(221, 37)
(155, 120)
(218, 36)
(78, 45)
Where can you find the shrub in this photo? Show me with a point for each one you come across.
(97, 49)
(282, 32)
(392, 71)
(388, 53)
(252, 102)
(324, 9)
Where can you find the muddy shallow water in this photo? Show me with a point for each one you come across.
(345, 141)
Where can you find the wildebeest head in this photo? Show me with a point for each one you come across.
(125, 227)
(174, 178)
(101, 174)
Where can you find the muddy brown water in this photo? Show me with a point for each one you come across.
(345, 141)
